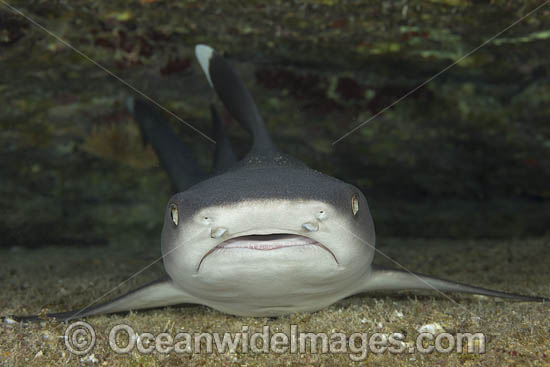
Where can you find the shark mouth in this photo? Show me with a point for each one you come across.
(267, 242)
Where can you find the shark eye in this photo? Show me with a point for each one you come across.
(174, 213)
(355, 204)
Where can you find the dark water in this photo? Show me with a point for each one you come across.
(466, 155)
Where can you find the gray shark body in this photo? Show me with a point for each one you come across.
(263, 236)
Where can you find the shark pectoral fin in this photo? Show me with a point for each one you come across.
(382, 278)
(159, 293)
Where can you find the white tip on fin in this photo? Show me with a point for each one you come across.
(204, 54)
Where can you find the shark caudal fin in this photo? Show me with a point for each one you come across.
(176, 159)
(235, 97)
(159, 293)
(382, 278)
(224, 156)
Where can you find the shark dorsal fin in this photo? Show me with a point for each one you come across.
(224, 157)
(236, 98)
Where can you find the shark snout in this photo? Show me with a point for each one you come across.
(262, 218)
(266, 230)
(218, 232)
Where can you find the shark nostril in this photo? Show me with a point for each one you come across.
(217, 232)
(312, 227)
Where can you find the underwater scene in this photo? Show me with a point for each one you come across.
(266, 183)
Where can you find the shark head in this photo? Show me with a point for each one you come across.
(265, 233)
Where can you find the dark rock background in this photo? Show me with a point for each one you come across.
(467, 155)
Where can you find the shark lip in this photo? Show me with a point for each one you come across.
(267, 242)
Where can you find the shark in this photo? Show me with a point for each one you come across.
(261, 236)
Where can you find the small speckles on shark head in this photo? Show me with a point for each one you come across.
(273, 159)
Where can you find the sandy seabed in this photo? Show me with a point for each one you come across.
(61, 278)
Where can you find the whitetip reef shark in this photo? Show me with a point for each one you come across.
(262, 236)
